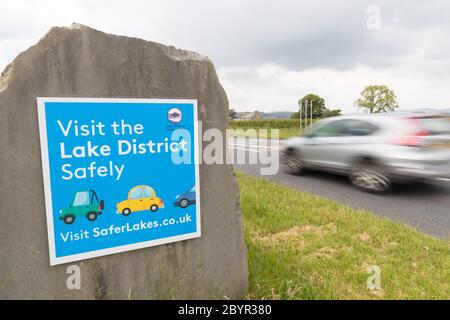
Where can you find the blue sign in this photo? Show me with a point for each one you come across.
(119, 174)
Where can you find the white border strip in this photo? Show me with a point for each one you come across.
(47, 182)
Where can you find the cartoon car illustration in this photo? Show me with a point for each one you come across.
(140, 198)
(185, 199)
(84, 204)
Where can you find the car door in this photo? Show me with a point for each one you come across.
(80, 205)
(334, 145)
(149, 197)
(136, 197)
(191, 195)
(320, 146)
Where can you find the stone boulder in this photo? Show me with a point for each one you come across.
(82, 62)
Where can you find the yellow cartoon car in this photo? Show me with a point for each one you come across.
(140, 198)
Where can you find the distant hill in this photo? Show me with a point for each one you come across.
(264, 115)
(419, 110)
(430, 110)
(287, 114)
(276, 115)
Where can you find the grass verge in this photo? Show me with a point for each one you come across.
(301, 246)
(283, 133)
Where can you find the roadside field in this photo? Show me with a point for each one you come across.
(287, 127)
(302, 246)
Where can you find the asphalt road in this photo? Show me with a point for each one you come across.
(425, 207)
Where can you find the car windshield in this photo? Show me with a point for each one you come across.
(81, 199)
(135, 193)
(314, 127)
(148, 192)
(343, 127)
(192, 189)
(335, 128)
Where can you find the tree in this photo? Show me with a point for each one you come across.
(318, 106)
(331, 113)
(232, 114)
(376, 99)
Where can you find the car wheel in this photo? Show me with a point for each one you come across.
(292, 163)
(69, 219)
(184, 203)
(370, 178)
(126, 211)
(153, 208)
(92, 216)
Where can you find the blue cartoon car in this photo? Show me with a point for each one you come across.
(185, 199)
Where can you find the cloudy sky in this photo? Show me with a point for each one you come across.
(270, 54)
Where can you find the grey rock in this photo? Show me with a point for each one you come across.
(80, 61)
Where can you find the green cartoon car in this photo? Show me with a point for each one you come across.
(84, 204)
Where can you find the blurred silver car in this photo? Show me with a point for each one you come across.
(374, 150)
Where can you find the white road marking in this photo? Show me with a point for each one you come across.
(254, 146)
(243, 149)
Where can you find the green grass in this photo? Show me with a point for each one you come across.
(265, 123)
(287, 127)
(301, 246)
(283, 133)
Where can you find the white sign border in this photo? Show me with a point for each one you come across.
(47, 181)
